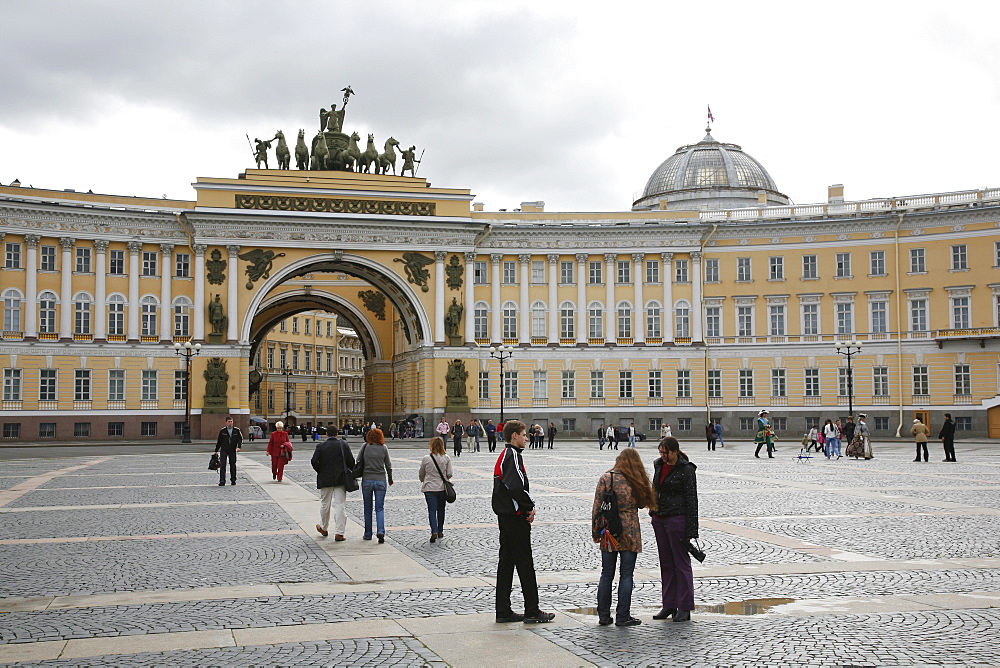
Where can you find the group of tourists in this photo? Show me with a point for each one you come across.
(467, 436)
(921, 432)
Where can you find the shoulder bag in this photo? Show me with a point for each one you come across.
(449, 489)
(359, 467)
(350, 482)
(213, 462)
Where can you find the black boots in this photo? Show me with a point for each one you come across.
(683, 616)
(665, 613)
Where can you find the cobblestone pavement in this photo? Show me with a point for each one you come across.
(129, 561)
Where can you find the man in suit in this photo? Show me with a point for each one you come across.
(947, 436)
(227, 445)
(332, 462)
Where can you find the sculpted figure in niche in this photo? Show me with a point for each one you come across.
(216, 378)
(455, 380)
(216, 316)
(453, 320)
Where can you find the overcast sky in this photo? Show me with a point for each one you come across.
(573, 103)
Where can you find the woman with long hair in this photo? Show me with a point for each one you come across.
(377, 472)
(629, 483)
(279, 447)
(675, 522)
(435, 468)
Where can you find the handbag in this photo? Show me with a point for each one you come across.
(449, 489)
(213, 462)
(286, 450)
(694, 549)
(350, 483)
(607, 527)
(359, 467)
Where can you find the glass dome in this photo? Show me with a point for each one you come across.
(709, 175)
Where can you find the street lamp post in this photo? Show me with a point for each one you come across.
(286, 372)
(187, 351)
(849, 349)
(502, 353)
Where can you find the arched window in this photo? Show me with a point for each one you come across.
(595, 320)
(538, 318)
(47, 302)
(567, 320)
(116, 314)
(12, 299)
(481, 320)
(82, 305)
(625, 320)
(682, 319)
(148, 306)
(182, 316)
(653, 320)
(509, 320)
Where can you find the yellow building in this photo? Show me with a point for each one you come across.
(712, 297)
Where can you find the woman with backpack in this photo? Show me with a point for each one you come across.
(620, 493)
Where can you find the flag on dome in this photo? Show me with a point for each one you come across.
(711, 118)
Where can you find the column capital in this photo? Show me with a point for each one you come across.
(31, 240)
(470, 256)
(134, 246)
(101, 245)
(582, 257)
(524, 258)
(638, 257)
(552, 258)
(233, 251)
(495, 258)
(610, 258)
(696, 255)
(167, 249)
(199, 249)
(67, 242)
(440, 255)
(667, 257)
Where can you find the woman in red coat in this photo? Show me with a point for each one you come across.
(279, 447)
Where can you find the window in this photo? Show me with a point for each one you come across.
(12, 310)
(653, 320)
(149, 263)
(509, 320)
(681, 271)
(180, 385)
(743, 273)
(47, 385)
(959, 257)
(81, 385)
(538, 271)
(918, 315)
(880, 381)
(12, 430)
(777, 269)
(569, 424)
(748, 424)
(480, 275)
(147, 429)
(182, 265)
(810, 319)
(655, 384)
(843, 265)
(48, 258)
(295, 359)
(481, 320)
(270, 400)
(652, 271)
(12, 259)
(83, 260)
(879, 317)
(715, 383)
(811, 382)
(712, 270)
(917, 263)
(682, 320)
(624, 271)
(148, 306)
(713, 321)
(307, 359)
(283, 327)
(778, 384)
(779, 423)
(539, 385)
(309, 400)
(283, 357)
(746, 382)
(842, 381)
(149, 389)
(116, 314)
(329, 329)
(776, 314)
(684, 383)
(182, 316)
(116, 385)
(963, 423)
(81, 429)
(596, 384)
(959, 312)
(596, 271)
(921, 380)
(509, 272)
(996, 253)
(566, 273)
(963, 380)
(12, 384)
(744, 320)
(595, 318)
(295, 325)
(539, 316)
(683, 424)
(845, 318)
(655, 424)
(809, 265)
(567, 320)
(47, 312)
(307, 324)
(81, 313)
(625, 320)
(510, 385)
(625, 384)
(876, 263)
(569, 385)
(47, 430)
(881, 424)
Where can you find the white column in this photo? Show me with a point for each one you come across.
(31, 286)
(696, 306)
(167, 319)
(610, 319)
(134, 248)
(582, 323)
(553, 299)
(524, 330)
(470, 298)
(497, 312)
(199, 292)
(439, 333)
(100, 289)
(233, 296)
(639, 314)
(668, 296)
(66, 288)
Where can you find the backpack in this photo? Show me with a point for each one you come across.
(607, 529)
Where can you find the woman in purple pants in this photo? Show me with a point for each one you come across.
(675, 522)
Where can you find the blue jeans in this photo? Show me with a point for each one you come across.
(631, 441)
(376, 489)
(435, 510)
(608, 561)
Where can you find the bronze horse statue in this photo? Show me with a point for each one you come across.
(284, 155)
(369, 157)
(320, 152)
(388, 159)
(301, 152)
(344, 159)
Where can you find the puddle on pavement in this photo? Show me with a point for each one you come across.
(751, 606)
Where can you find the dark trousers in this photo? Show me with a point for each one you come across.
(677, 579)
(551, 439)
(515, 552)
(770, 450)
(435, 510)
(924, 446)
(949, 449)
(491, 441)
(224, 456)
(625, 584)
(711, 443)
(457, 446)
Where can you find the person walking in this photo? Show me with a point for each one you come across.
(831, 436)
(947, 437)
(675, 523)
(435, 468)
(229, 442)
(866, 436)
(765, 435)
(612, 435)
(847, 430)
(631, 434)
(920, 432)
(443, 429)
(552, 434)
(457, 434)
(279, 448)
(601, 437)
(718, 431)
(473, 432)
(710, 435)
(491, 435)
(333, 463)
(515, 511)
(375, 474)
(667, 430)
(630, 484)
(812, 438)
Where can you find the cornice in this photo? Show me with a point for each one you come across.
(105, 350)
